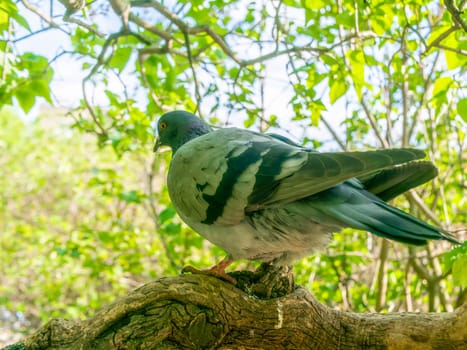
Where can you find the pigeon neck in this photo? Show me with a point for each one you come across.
(194, 133)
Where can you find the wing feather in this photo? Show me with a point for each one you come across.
(390, 183)
(320, 171)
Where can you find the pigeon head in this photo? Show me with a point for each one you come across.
(177, 128)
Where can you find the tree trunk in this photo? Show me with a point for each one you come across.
(264, 311)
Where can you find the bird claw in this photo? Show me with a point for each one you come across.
(216, 271)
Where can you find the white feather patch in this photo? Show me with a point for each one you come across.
(234, 209)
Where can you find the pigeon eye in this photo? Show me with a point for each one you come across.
(162, 125)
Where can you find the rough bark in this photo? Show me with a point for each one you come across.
(264, 311)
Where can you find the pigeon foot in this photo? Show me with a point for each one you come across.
(217, 270)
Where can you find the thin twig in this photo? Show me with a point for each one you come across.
(84, 25)
(42, 15)
(428, 82)
(366, 109)
(150, 28)
(174, 18)
(405, 90)
(100, 61)
(371, 118)
(27, 36)
(420, 269)
(453, 49)
(333, 133)
(408, 294)
(413, 196)
(277, 25)
(193, 71)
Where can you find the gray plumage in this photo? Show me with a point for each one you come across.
(72, 6)
(262, 197)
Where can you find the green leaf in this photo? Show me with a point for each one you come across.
(173, 228)
(453, 59)
(167, 214)
(41, 88)
(106, 236)
(170, 78)
(462, 108)
(120, 58)
(21, 21)
(26, 99)
(378, 26)
(113, 98)
(459, 271)
(3, 21)
(441, 85)
(338, 88)
(9, 9)
(130, 196)
(316, 108)
(35, 64)
(437, 31)
(456, 259)
(292, 3)
(61, 251)
(313, 4)
(357, 60)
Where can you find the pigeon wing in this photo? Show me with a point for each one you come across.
(389, 183)
(287, 174)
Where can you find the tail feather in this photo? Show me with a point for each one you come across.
(404, 222)
(368, 212)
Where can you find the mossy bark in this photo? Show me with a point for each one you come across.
(264, 311)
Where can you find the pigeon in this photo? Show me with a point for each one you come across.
(123, 9)
(263, 197)
(72, 6)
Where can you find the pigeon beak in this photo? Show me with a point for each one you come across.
(157, 144)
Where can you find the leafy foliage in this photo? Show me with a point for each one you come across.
(83, 202)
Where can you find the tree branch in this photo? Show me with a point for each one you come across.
(193, 72)
(150, 28)
(453, 49)
(42, 15)
(382, 276)
(405, 90)
(440, 38)
(220, 41)
(374, 125)
(456, 13)
(333, 133)
(415, 198)
(100, 61)
(84, 25)
(195, 311)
